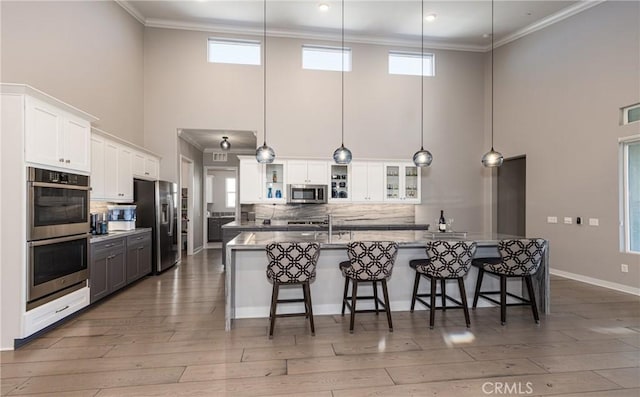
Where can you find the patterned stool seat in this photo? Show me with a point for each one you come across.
(292, 263)
(369, 261)
(518, 258)
(446, 260)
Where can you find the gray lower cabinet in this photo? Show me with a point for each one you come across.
(107, 270)
(118, 262)
(138, 256)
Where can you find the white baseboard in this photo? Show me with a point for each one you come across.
(595, 281)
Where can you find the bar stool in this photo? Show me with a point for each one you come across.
(447, 260)
(369, 261)
(519, 258)
(292, 263)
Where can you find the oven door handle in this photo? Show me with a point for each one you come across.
(58, 186)
(58, 240)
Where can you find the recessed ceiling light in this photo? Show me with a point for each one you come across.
(324, 7)
(430, 17)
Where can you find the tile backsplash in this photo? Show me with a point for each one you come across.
(356, 213)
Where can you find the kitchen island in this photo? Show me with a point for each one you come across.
(248, 292)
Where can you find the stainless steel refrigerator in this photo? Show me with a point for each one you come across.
(157, 208)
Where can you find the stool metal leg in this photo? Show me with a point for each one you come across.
(415, 291)
(503, 299)
(463, 299)
(386, 304)
(375, 296)
(444, 294)
(478, 285)
(272, 314)
(307, 299)
(354, 292)
(432, 309)
(344, 296)
(532, 299)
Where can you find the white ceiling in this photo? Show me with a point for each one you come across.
(460, 25)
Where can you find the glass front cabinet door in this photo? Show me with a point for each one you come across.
(340, 183)
(402, 183)
(274, 185)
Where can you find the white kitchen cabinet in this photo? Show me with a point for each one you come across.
(111, 170)
(314, 172)
(49, 313)
(145, 166)
(401, 183)
(367, 182)
(56, 138)
(262, 183)
(340, 176)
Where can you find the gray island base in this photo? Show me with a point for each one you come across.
(248, 292)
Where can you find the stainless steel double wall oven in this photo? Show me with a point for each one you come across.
(57, 234)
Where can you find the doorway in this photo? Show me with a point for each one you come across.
(511, 192)
(221, 204)
(186, 205)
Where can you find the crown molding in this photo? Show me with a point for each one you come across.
(190, 141)
(132, 10)
(548, 21)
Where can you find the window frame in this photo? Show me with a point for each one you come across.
(348, 56)
(227, 192)
(625, 224)
(230, 41)
(410, 54)
(625, 114)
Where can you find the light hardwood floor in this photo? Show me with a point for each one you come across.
(164, 336)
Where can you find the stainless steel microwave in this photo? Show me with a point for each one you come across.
(307, 194)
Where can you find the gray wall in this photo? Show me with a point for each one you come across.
(188, 150)
(382, 112)
(86, 53)
(219, 195)
(557, 97)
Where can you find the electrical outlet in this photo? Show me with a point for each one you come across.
(568, 220)
(594, 222)
(552, 219)
(624, 268)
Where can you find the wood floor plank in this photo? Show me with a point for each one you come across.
(98, 380)
(611, 332)
(75, 393)
(263, 386)
(385, 360)
(287, 352)
(97, 340)
(165, 347)
(32, 355)
(625, 377)
(465, 370)
(249, 369)
(582, 362)
(9, 384)
(383, 345)
(540, 385)
(605, 393)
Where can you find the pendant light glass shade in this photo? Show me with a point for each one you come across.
(422, 158)
(265, 154)
(492, 158)
(342, 155)
(225, 144)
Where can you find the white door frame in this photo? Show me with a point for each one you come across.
(190, 202)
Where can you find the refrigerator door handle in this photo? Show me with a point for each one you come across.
(171, 214)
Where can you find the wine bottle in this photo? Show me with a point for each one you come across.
(442, 225)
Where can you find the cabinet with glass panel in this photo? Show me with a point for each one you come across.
(340, 186)
(274, 187)
(401, 183)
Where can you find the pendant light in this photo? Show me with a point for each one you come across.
(342, 155)
(492, 158)
(422, 158)
(225, 144)
(265, 154)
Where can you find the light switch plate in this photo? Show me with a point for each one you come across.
(568, 220)
(624, 268)
(552, 219)
(594, 222)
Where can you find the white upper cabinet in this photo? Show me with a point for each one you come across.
(402, 183)
(97, 167)
(145, 166)
(125, 174)
(367, 181)
(56, 138)
(251, 175)
(314, 172)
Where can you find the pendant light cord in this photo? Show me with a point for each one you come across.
(492, 40)
(342, 76)
(422, 80)
(264, 79)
